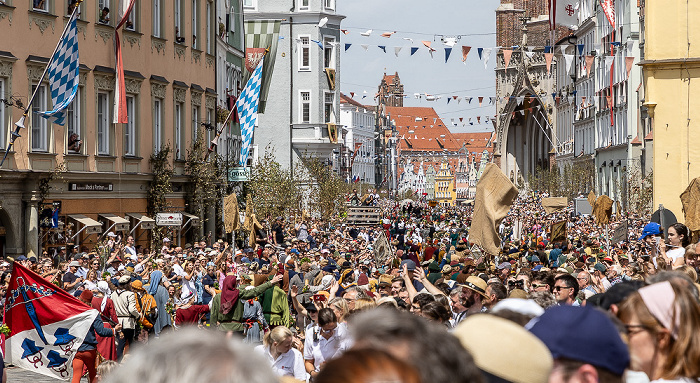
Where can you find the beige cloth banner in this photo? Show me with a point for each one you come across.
(602, 210)
(554, 204)
(494, 196)
(691, 205)
(231, 218)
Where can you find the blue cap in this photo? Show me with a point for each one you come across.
(537, 268)
(652, 228)
(328, 268)
(245, 260)
(21, 258)
(410, 265)
(582, 334)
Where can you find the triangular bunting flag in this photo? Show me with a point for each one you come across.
(345, 31)
(547, 49)
(397, 50)
(461, 119)
(448, 100)
(478, 119)
(347, 46)
(480, 51)
(548, 58)
(492, 100)
(609, 61)
(366, 34)
(569, 59)
(529, 54)
(580, 49)
(365, 46)
(481, 100)
(507, 53)
(629, 61)
(427, 45)
(465, 53)
(448, 51)
(387, 34)
(469, 99)
(382, 47)
(589, 65)
(487, 54)
(414, 50)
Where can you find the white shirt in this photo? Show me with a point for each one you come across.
(674, 253)
(291, 363)
(321, 349)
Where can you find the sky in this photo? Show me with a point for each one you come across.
(474, 21)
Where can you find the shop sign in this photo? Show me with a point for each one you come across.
(239, 174)
(90, 186)
(169, 219)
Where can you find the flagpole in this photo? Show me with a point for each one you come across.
(20, 124)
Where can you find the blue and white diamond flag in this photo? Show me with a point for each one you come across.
(63, 75)
(247, 107)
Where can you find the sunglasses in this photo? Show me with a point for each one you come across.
(558, 288)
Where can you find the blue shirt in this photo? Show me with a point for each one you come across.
(98, 327)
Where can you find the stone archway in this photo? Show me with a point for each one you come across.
(525, 137)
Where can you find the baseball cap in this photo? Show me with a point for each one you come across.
(582, 334)
(600, 267)
(651, 228)
(74, 264)
(410, 265)
(504, 265)
(111, 234)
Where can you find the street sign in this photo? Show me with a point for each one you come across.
(169, 219)
(239, 174)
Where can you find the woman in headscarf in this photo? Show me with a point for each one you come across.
(102, 303)
(227, 306)
(160, 293)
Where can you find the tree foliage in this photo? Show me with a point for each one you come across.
(327, 189)
(571, 181)
(159, 187)
(203, 190)
(275, 190)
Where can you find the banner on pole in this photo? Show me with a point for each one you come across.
(261, 35)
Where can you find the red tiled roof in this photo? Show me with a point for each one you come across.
(650, 136)
(475, 142)
(427, 129)
(347, 100)
(636, 141)
(389, 78)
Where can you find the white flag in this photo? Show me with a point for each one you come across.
(564, 12)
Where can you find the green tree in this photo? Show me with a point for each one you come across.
(158, 188)
(203, 190)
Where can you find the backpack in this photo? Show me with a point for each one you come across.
(146, 305)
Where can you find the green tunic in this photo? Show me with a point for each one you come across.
(232, 320)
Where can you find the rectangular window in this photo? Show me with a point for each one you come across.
(71, 7)
(305, 115)
(102, 124)
(130, 127)
(178, 131)
(329, 4)
(209, 28)
(3, 123)
(131, 21)
(329, 52)
(157, 124)
(40, 5)
(250, 4)
(195, 24)
(195, 123)
(328, 107)
(305, 51)
(179, 33)
(210, 120)
(304, 5)
(104, 15)
(39, 124)
(73, 124)
(157, 13)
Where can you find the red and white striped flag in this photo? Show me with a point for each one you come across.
(120, 113)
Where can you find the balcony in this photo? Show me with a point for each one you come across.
(314, 139)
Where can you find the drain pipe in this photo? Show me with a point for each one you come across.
(291, 87)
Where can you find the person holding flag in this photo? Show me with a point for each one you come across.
(86, 356)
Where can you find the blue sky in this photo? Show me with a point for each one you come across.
(422, 20)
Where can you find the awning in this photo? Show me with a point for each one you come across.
(145, 222)
(190, 219)
(115, 222)
(89, 225)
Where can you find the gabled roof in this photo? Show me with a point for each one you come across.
(429, 133)
(476, 142)
(348, 100)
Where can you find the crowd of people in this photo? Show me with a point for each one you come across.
(313, 302)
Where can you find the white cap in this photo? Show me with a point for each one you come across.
(111, 234)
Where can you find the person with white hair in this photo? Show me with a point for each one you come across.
(194, 356)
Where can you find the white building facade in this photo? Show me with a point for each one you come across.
(358, 124)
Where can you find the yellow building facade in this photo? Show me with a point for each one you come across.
(445, 193)
(168, 52)
(671, 70)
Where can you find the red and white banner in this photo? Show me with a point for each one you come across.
(47, 324)
(120, 112)
(563, 12)
(608, 7)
